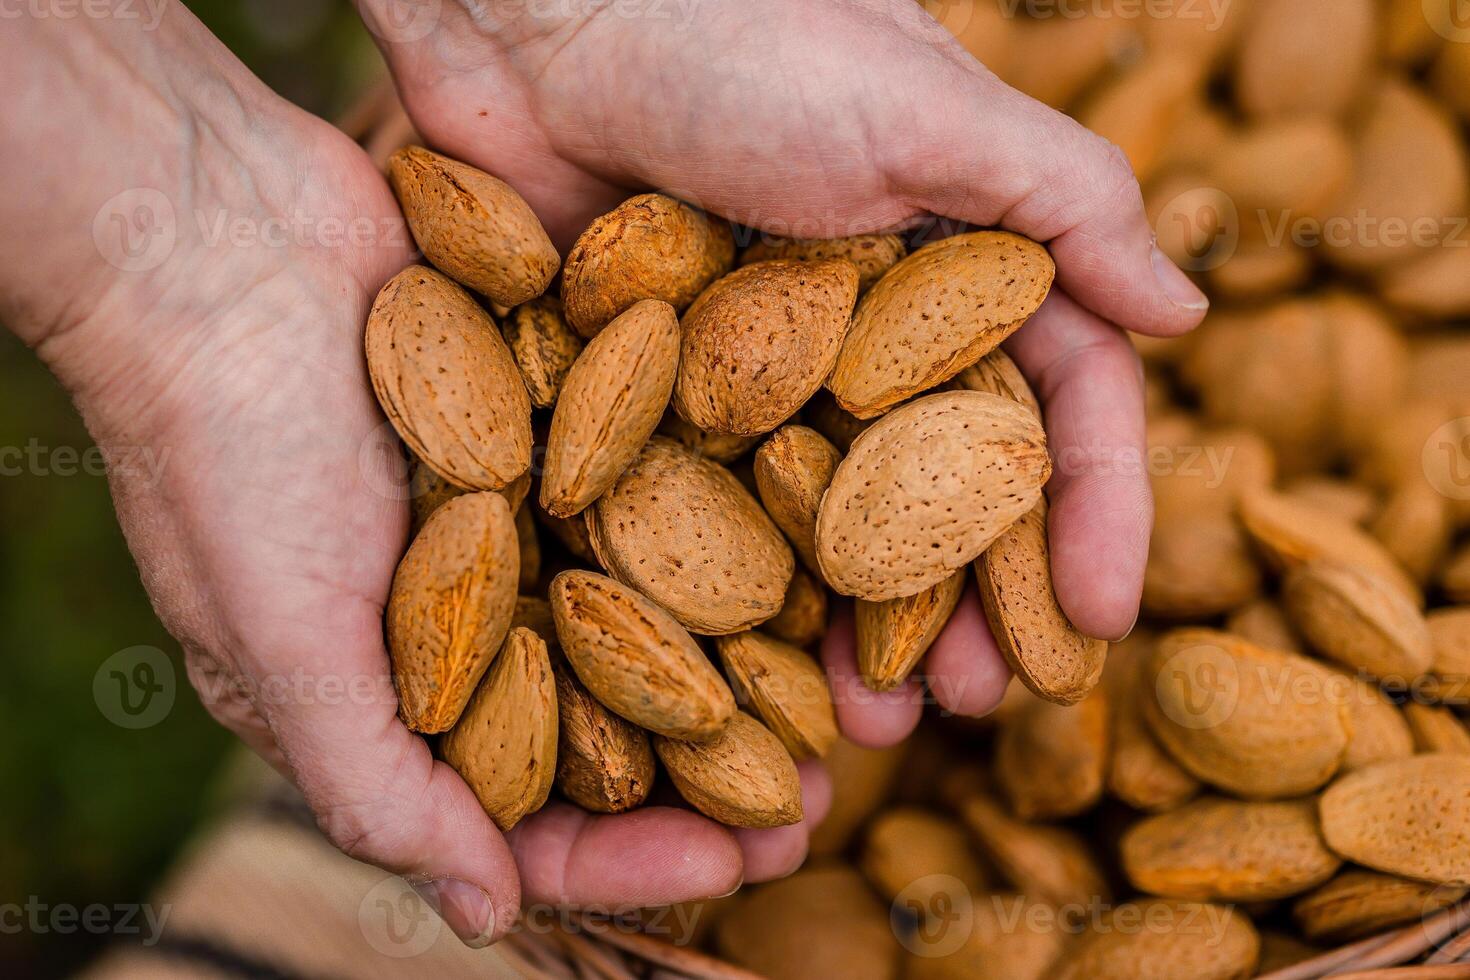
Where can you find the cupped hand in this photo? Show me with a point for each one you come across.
(269, 538)
(829, 118)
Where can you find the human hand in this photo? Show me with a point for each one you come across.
(832, 118)
(269, 536)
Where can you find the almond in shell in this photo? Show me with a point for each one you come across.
(1011, 938)
(610, 403)
(1379, 729)
(603, 763)
(1051, 759)
(721, 448)
(917, 854)
(1351, 615)
(1405, 817)
(649, 247)
(785, 687)
(1257, 723)
(1140, 772)
(936, 312)
(893, 635)
(803, 616)
(636, 659)
(1215, 849)
(759, 342)
(543, 346)
(504, 745)
(927, 489)
(1360, 903)
(1449, 633)
(447, 382)
(792, 470)
(1165, 939)
(871, 255)
(1289, 533)
(473, 227)
(744, 777)
(1436, 729)
(1050, 863)
(998, 374)
(685, 532)
(1046, 651)
(450, 606)
(821, 921)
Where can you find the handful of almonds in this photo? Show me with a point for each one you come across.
(634, 499)
(671, 624)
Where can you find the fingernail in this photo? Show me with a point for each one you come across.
(1176, 285)
(465, 908)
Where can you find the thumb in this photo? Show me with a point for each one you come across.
(989, 155)
(380, 796)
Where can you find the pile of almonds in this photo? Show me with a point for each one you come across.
(632, 502)
(681, 490)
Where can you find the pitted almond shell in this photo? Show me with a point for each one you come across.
(792, 470)
(998, 374)
(1257, 723)
(1050, 759)
(936, 312)
(504, 745)
(1048, 862)
(472, 227)
(1405, 816)
(1215, 849)
(1050, 656)
(1360, 903)
(872, 255)
(759, 342)
(649, 247)
(610, 403)
(603, 763)
(685, 532)
(1264, 623)
(450, 606)
(906, 848)
(925, 490)
(1352, 615)
(1181, 939)
(636, 659)
(803, 616)
(543, 346)
(785, 687)
(446, 381)
(1289, 533)
(893, 635)
(743, 778)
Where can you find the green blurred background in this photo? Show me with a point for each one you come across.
(94, 813)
